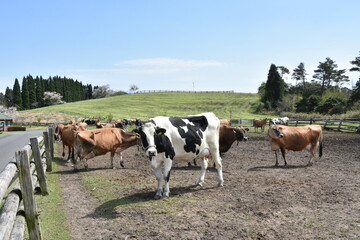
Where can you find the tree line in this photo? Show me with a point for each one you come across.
(31, 94)
(323, 93)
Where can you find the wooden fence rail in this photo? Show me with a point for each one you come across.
(18, 181)
(340, 125)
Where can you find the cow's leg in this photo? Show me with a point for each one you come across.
(86, 157)
(276, 158)
(112, 159)
(167, 170)
(63, 154)
(312, 154)
(217, 161)
(121, 160)
(283, 154)
(68, 159)
(204, 164)
(156, 165)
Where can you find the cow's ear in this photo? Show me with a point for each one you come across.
(247, 129)
(160, 131)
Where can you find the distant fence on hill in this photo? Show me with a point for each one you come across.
(173, 91)
(340, 125)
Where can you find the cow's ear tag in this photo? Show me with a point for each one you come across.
(160, 131)
(137, 135)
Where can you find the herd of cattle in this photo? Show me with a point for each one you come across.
(164, 139)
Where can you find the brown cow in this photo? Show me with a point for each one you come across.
(295, 139)
(92, 143)
(225, 122)
(259, 123)
(58, 130)
(67, 138)
(227, 136)
(82, 126)
(104, 125)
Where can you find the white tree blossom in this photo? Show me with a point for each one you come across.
(52, 98)
(102, 91)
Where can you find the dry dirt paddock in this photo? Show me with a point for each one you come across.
(258, 200)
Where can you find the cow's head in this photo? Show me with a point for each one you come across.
(240, 133)
(275, 131)
(148, 132)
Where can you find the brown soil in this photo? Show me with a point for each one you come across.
(258, 200)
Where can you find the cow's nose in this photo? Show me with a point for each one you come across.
(281, 135)
(152, 153)
(245, 138)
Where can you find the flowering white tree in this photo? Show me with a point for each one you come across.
(11, 111)
(52, 98)
(102, 91)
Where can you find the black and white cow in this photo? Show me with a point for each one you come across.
(279, 121)
(165, 139)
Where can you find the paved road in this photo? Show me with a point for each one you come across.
(10, 142)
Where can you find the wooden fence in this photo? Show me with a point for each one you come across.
(169, 91)
(24, 175)
(340, 125)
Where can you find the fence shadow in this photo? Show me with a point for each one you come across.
(108, 209)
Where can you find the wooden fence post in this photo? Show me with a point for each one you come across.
(39, 167)
(339, 126)
(47, 152)
(31, 214)
(51, 141)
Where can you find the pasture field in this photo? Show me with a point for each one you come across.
(147, 105)
(258, 200)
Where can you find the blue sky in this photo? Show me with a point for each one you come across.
(174, 45)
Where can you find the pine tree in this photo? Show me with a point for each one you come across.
(274, 88)
(9, 99)
(32, 92)
(25, 94)
(17, 95)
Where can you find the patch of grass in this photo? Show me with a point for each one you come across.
(53, 222)
(147, 105)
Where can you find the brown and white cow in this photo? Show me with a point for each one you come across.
(259, 123)
(92, 143)
(296, 139)
(82, 126)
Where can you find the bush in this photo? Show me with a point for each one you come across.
(16, 128)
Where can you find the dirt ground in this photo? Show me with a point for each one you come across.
(258, 200)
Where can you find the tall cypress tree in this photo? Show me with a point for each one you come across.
(9, 99)
(32, 92)
(25, 94)
(274, 87)
(17, 95)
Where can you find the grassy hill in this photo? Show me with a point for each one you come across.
(147, 105)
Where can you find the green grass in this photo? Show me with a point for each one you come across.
(147, 105)
(53, 222)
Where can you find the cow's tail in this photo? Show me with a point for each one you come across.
(320, 145)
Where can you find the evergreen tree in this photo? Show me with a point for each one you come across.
(32, 92)
(327, 74)
(274, 88)
(9, 100)
(25, 94)
(17, 95)
(299, 74)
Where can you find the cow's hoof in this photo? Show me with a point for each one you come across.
(221, 184)
(157, 197)
(122, 165)
(200, 183)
